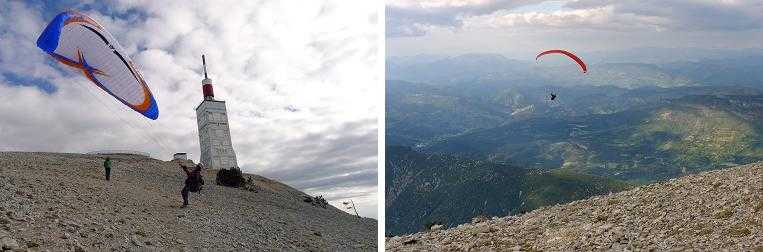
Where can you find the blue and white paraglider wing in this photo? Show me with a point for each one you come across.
(76, 40)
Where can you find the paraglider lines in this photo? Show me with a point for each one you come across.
(148, 136)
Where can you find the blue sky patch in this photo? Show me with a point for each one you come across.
(18, 80)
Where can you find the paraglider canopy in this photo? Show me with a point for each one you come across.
(76, 40)
(572, 56)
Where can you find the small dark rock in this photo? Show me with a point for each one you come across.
(410, 242)
(32, 244)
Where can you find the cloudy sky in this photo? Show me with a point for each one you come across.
(300, 79)
(520, 28)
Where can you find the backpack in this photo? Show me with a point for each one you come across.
(195, 182)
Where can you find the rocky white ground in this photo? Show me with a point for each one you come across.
(53, 201)
(712, 211)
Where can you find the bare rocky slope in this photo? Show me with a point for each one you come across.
(55, 201)
(711, 211)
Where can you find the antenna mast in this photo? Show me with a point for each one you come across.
(204, 61)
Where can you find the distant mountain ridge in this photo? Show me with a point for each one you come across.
(630, 69)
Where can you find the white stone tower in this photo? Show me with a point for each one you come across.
(214, 134)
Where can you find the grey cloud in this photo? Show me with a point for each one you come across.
(345, 197)
(687, 14)
(413, 21)
(326, 156)
(363, 178)
(679, 15)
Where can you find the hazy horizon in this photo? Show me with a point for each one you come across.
(520, 29)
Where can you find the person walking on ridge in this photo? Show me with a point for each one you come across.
(107, 167)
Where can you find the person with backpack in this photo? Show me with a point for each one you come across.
(107, 167)
(193, 182)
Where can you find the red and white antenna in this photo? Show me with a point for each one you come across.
(206, 84)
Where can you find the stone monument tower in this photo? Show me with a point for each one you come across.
(214, 134)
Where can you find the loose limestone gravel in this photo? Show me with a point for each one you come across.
(55, 201)
(713, 211)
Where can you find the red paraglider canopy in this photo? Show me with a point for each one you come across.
(568, 54)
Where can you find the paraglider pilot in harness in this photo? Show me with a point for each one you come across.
(193, 182)
(553, 96)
